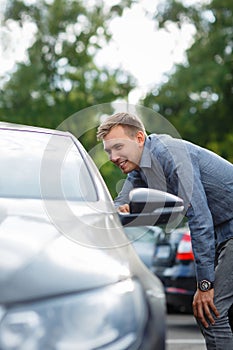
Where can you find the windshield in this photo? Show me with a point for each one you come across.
(39, 165)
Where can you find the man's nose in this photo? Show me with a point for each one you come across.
(113, 156)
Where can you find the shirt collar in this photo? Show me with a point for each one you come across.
(145, 161)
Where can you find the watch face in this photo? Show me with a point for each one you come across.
(205, 285)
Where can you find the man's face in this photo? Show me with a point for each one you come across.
(124, 151)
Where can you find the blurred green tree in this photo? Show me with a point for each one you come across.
(198, 96)
(60, 76)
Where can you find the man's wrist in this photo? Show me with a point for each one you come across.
(205, 285)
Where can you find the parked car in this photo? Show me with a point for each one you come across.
(144, 240)
(69, 277)
(173, 263)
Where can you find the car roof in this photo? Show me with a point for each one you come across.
(30, 128)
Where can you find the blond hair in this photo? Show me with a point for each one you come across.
(130, 122)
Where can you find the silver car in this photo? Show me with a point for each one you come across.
(69, 277)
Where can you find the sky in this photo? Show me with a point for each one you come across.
(143, 50)
(137, 46)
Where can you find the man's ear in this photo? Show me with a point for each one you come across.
(140, 137)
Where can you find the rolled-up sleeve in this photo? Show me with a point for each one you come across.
(182, 170)
(201, 227)
(203, 247)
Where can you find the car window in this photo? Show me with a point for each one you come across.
(35, 165)
(142, 233)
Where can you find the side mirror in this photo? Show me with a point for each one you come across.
(149, 207)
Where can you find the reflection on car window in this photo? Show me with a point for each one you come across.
(35, 165)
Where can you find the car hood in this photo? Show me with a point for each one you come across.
(43, 254)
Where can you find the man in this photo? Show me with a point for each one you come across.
(205, 182)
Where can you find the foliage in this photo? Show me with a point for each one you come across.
(60, 76)
(197, 98)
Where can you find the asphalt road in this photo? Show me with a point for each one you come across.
(183, 333)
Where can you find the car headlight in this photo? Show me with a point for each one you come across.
(111, 317)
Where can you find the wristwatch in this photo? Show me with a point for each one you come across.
(205, 285)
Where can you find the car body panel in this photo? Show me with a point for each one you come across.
(31, 245)
(52, 244)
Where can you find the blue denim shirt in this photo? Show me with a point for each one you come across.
(202, 179)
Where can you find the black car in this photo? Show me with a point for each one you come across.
(173, 263)
(69, 277)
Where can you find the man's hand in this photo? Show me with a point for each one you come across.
(124, 208)
(204, 308)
